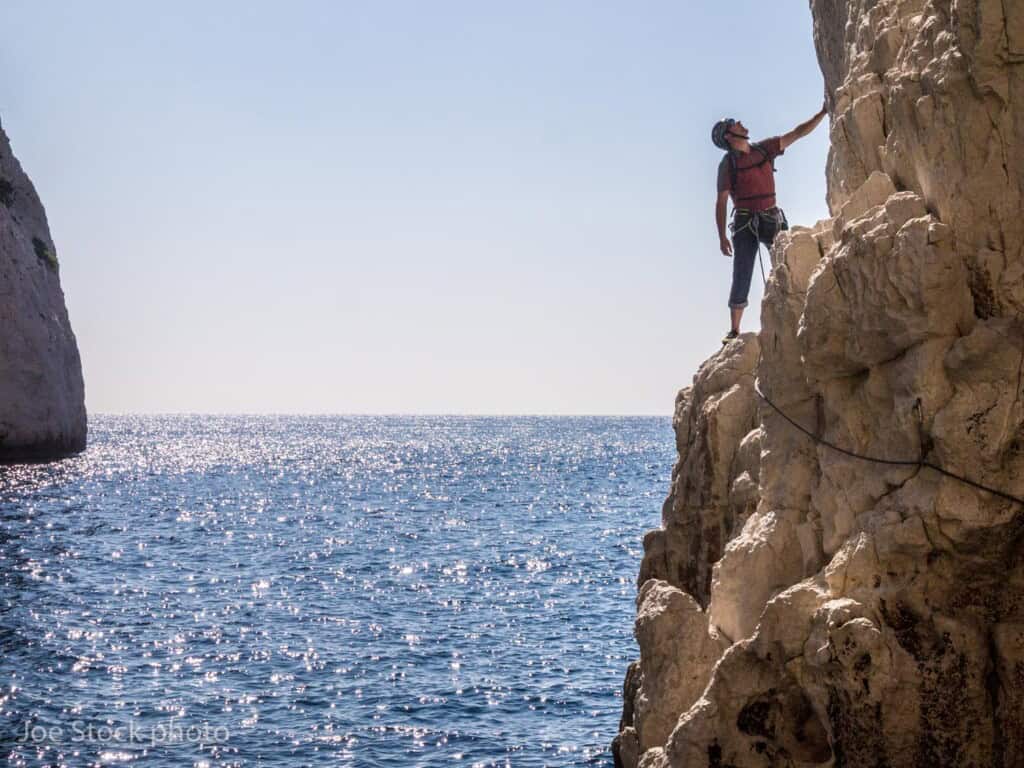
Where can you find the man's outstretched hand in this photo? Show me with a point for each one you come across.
(725, 246)
(803, 129)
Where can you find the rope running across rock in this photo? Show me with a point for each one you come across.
(920, 463)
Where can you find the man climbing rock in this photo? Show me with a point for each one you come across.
(746, 174)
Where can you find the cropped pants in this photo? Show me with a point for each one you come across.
(749, 229)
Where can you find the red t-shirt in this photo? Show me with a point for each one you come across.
(755, 181)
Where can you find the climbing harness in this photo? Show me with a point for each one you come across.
(753, 221)
(753, 218)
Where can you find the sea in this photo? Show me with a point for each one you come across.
(199, 590)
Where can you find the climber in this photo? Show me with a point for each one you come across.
(745, 174)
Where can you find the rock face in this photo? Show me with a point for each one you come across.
(803, 607)
(42, 397)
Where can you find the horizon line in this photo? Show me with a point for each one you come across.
(396, 414)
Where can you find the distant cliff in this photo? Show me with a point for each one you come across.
(42, 397)
(801, 606)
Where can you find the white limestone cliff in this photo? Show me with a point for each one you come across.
(42, 400)
(802, 607)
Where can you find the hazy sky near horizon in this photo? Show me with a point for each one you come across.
(398, 207)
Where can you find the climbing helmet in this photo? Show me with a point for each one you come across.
(719, 131)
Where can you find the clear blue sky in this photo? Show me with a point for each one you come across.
(398, 207)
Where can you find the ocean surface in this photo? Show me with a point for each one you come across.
(325, 591)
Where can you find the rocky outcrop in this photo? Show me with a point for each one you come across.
(801, 606)
(42, 400)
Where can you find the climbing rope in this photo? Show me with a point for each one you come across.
(921, 463)
(753, 223)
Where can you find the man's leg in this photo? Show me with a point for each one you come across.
(735, 315)
(744, 248)
(767, 232)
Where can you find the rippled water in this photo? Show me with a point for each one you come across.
(297, 591)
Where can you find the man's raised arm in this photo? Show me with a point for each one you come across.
(803, 129)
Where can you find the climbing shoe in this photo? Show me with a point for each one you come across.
(730, 336)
